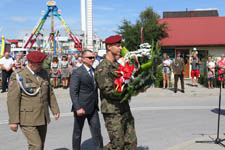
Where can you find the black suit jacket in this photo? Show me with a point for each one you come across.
(83, 91)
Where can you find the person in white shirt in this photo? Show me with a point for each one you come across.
(96, 62)
(6, 64)
(211, 72)
(166, 70)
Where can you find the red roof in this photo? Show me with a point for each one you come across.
(13, 41)
(195, 31)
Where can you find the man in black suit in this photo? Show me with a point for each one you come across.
(84, 95)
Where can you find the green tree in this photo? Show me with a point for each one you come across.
(131, 33)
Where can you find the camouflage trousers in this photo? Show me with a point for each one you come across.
(121, 131)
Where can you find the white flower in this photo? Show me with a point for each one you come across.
(144, 50)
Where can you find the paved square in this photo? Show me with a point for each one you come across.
(164, 121)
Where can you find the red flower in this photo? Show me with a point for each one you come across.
(125, 74)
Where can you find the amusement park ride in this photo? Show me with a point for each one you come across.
(2, 47)
(51, 12)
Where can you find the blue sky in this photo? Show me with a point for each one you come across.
(18, 15)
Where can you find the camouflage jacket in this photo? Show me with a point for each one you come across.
(105, 75)
(178, 66)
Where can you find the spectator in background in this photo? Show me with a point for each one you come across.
(22, 59)
(195, 67)
(6, 64)
(74, 66)
(79, 63)
(25, 61)
(76, 57)
(178, 66)
(97, 60)
(47, 65)
(211, 72)
(221, 67)
(166, 70)
(70, 61)
(64, 69)
(55, 71)
(18, 64)
(70, 67)
(80, 55)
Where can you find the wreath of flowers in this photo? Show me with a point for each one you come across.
(133, 73)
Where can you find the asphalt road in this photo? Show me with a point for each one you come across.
(163, 119)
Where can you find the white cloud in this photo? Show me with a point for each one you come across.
(19, 19)
(207, 9)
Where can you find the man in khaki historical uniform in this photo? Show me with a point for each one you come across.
(178, 70)
(117, 116)
(29, 98)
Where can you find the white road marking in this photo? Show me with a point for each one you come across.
(176, 108)
(145, 109)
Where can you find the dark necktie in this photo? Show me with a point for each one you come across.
(91, 73)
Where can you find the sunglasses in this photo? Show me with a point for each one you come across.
(90, 57)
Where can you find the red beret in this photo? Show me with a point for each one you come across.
(36, 57)
(113, 39)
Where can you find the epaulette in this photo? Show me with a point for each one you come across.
(28, 91)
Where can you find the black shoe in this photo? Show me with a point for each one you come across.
(182, 91)
(175, 91)
(3, 91)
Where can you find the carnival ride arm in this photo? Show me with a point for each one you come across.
(74, 38)
(37, 29)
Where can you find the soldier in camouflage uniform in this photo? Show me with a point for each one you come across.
(118, 117)
(178, 70)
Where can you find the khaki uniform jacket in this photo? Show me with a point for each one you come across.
(178, 66)
(29, 110)
(105, 75)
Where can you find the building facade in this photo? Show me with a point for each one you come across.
(205, 33)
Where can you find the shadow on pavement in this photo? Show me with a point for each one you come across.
(171, 89)
(143, 148)
(87, 145)
(62, 149)
(189, 84)
(216, 110)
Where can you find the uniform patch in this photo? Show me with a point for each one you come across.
(28, 81)
(100, 70)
